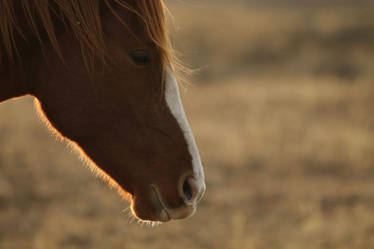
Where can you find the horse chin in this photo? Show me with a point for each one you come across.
(153, 209)
(161, 217)
(150, 209)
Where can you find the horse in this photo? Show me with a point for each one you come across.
(104, 74)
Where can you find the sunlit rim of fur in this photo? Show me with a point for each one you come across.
(84, 19)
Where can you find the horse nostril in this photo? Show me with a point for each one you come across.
(187, 191)
(190, 190)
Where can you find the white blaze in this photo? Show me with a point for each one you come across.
(174, 103)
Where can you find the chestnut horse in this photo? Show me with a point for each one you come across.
(102, 72)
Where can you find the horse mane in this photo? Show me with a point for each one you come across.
(84, 19)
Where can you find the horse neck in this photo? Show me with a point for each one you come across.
(18, 74)
(15, 81)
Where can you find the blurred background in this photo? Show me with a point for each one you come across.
(282, 110)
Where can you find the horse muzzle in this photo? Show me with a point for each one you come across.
(190, 190)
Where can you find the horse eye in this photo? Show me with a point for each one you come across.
(141, 57)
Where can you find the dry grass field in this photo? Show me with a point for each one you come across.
(283, 112)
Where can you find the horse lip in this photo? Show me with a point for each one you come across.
(164, 214)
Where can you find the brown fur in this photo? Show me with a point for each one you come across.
(59, 52)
